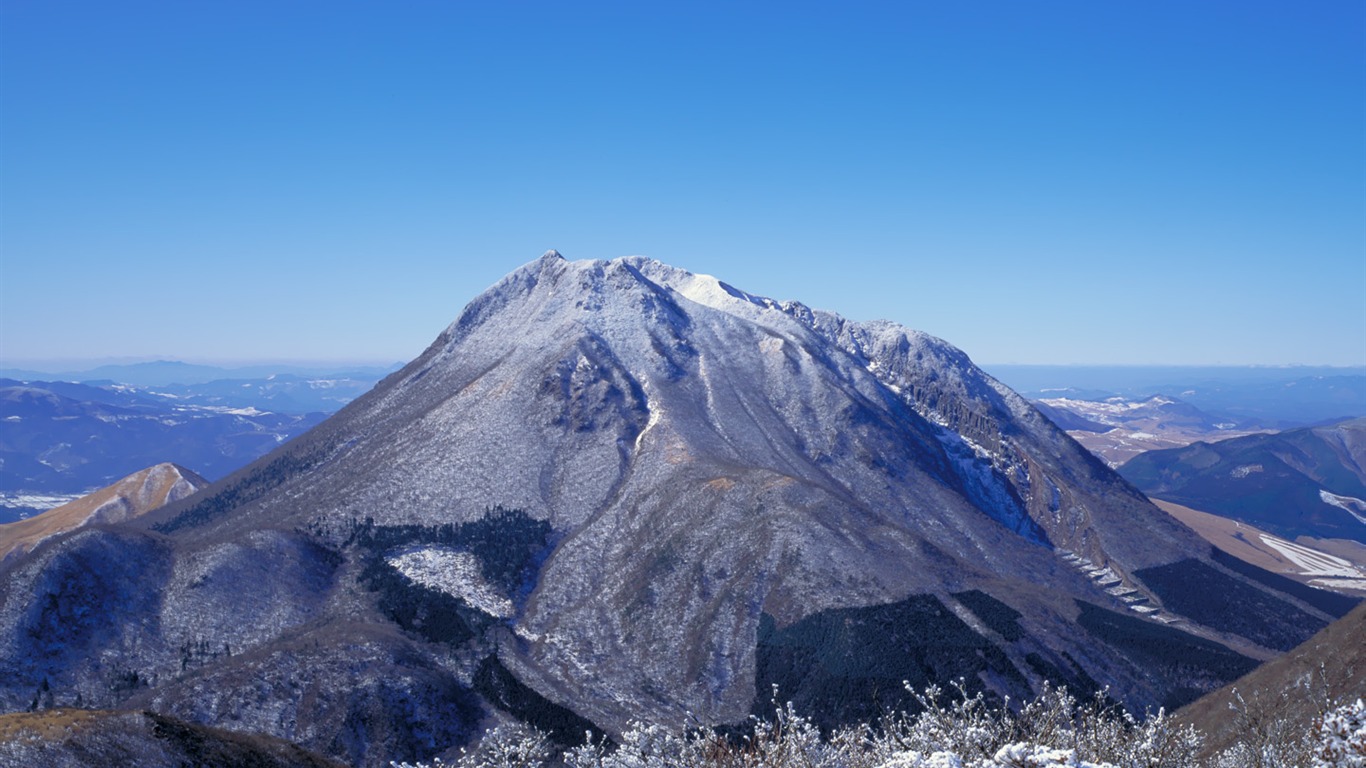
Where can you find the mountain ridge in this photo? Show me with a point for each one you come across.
(1307, 481)
(131, 497)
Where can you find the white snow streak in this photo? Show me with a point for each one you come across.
(1312, 562)
(1354, 506)
(455, 573)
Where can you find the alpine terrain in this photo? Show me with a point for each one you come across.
(616, 490)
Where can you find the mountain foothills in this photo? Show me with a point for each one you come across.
(133, 496)
(614, 490)
(80, 738)
(1280, 700)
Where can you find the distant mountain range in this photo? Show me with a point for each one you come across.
(60, 440)
(1247, 397)
(1117, 429)
(165, 372)
(1273, 519)
(614, 491)
(1301, 482)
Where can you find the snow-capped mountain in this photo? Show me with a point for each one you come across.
(615, 490)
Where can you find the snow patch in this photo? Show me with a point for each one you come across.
(37, 500)
(652, 420)
(1353, 506)
(1312, 562)
(248, 411)
(454, 572)
(1358, 585)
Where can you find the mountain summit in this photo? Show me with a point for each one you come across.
(616, 489)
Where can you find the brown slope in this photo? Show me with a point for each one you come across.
(1324, 563)
(1288, 692)
(133, 496)
(57, 738)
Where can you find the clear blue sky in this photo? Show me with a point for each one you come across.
(1045, 182)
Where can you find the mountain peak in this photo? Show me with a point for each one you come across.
(629, 492)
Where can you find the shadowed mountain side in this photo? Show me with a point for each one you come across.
(1303, 482)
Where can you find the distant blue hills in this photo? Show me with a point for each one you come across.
(63, 434)
(1263, 396)
(164, 372)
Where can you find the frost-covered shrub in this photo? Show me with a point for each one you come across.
(510, 746)
(952, 731)
(1053, 727)
(507, 746)
(1342, 738)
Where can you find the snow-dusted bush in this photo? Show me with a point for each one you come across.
(1342, 738)
(951, 731)
(507, 746)
(1053, 729)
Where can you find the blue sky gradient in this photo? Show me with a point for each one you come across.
(1060, 182)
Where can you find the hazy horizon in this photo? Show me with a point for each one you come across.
(1070, 184)
(78, 365)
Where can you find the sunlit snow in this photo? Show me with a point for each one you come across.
(1353, 506)
(454, 572)
(1312, 562)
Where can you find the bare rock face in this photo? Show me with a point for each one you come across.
(615, 490)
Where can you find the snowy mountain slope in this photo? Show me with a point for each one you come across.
(674, 494)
